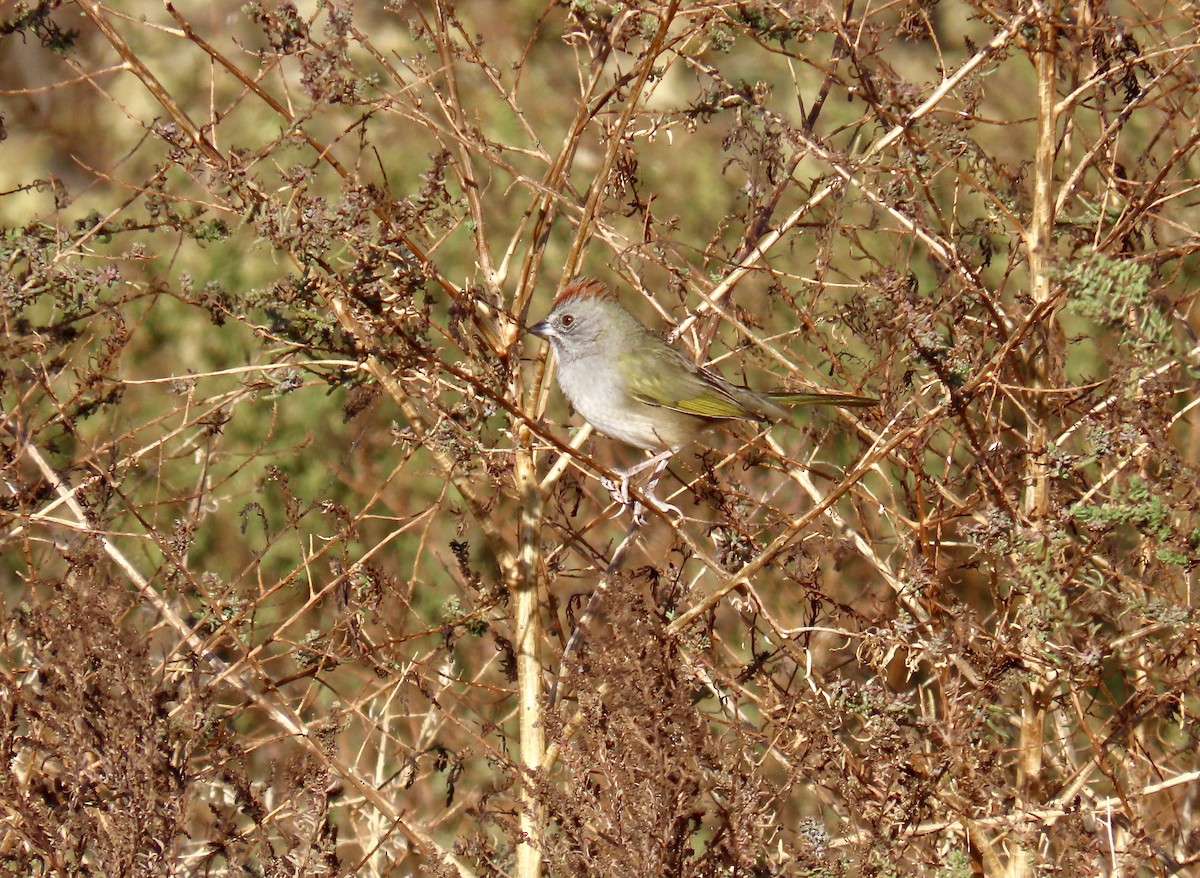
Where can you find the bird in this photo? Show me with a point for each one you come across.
(632, 386)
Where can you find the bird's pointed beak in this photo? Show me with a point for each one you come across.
(541, 330)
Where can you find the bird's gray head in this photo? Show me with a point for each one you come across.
(586, 319)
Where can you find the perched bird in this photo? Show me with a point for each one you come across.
(631, 385)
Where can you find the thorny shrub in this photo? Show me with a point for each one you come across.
(295, 528)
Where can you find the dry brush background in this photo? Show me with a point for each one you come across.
(294, 527)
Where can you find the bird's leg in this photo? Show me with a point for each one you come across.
(619, 491)
(656, 501)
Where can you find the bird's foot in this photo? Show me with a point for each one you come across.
(618, 490)
(657, 503)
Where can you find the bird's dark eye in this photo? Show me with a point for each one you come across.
(567, 321)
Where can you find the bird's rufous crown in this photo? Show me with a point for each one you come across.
(581, 288)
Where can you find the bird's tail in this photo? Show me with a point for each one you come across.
(822, 397)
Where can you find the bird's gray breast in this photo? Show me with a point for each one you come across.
(600, 394)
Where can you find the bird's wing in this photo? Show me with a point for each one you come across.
(692, 390)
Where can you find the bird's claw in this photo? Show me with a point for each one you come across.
(617, 490)
(639, 510)
(673, 510)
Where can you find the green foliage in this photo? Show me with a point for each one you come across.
(957, 865)
(1139, 506)
(38, 21)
